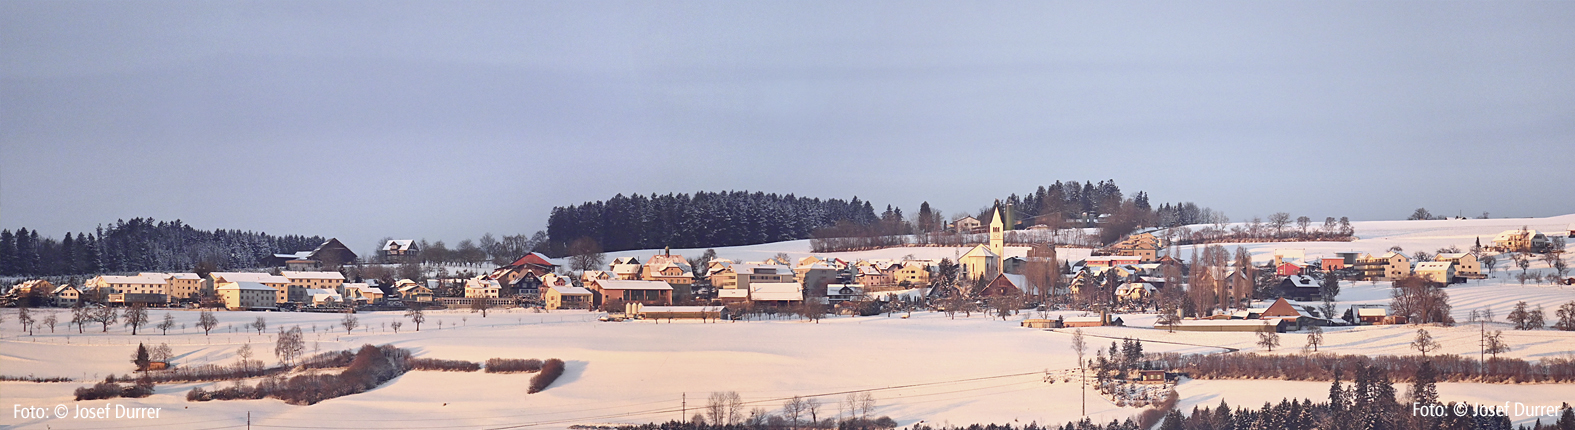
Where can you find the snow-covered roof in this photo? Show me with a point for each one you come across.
(608, 284)
(313, 275)
(1451, 255)
(627, 268)
(244, 285)
(732, 293)
(61, 288)
(1302, 281)
(1434, 265)
(572, 291)
(836, 289)
(410, 287)
(775, 269)
(1371, 312)
(1199, 323)
(149, 278)
(250, 277)
(398, 245)
(481, 284)
(184, 276)
(363, 288)
(774, 291)
(1021, 281)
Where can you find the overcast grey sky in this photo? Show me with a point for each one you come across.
(445, 120)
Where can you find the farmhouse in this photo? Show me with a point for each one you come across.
(330, 254)
(363, 293)
(411, 291)
(479, 288)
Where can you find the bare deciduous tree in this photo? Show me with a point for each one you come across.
(261, 324)
(207, 322)
(350, 322)
(107, 316)
(1314, 338)
(416, 316)
(585, 254)
(1268, 337)
(136, 317)
(1424, 342)
(290, 345)
(167, 324)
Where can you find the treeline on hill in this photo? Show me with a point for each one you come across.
(702, 220)
(141, 244)
(1061, 205)
(1318, 367)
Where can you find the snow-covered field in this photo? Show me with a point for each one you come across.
(928, 367)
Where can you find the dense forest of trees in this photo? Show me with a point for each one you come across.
(141, 244)
(707, 219)
(702, 220)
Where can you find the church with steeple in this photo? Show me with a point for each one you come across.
(984, 260)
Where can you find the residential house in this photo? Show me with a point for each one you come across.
(29, 287)
(1520, 241)
(1005, 284)
(816, 276)
(247, 295)
(1135, 290)
(570, 297)
(523, 276)
(672, 269)
(481, 288)
(401, 250)
(1329, 264)
(1111, 260)
(280, 283)
(591, 275)
(776, 293)
(324, 297)
(295, 290)
(1372, 315)
(913, 274)
(871, 275)
(1299, 287)
(65, 296)
(412, 291)
(1388, 267)
(1289, 268)
(838, 293)
(740, 276)
(653, 293)
(1145, 246)
(966, 225)
(1437, 271)
(1466, 264)
(363, 293)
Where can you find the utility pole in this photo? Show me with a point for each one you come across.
(683, 414)
(1481, 348)
(248, 420)
(1085, 388)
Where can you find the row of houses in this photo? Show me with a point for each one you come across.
(238, 290)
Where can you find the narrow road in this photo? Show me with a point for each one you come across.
(1226, 348)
